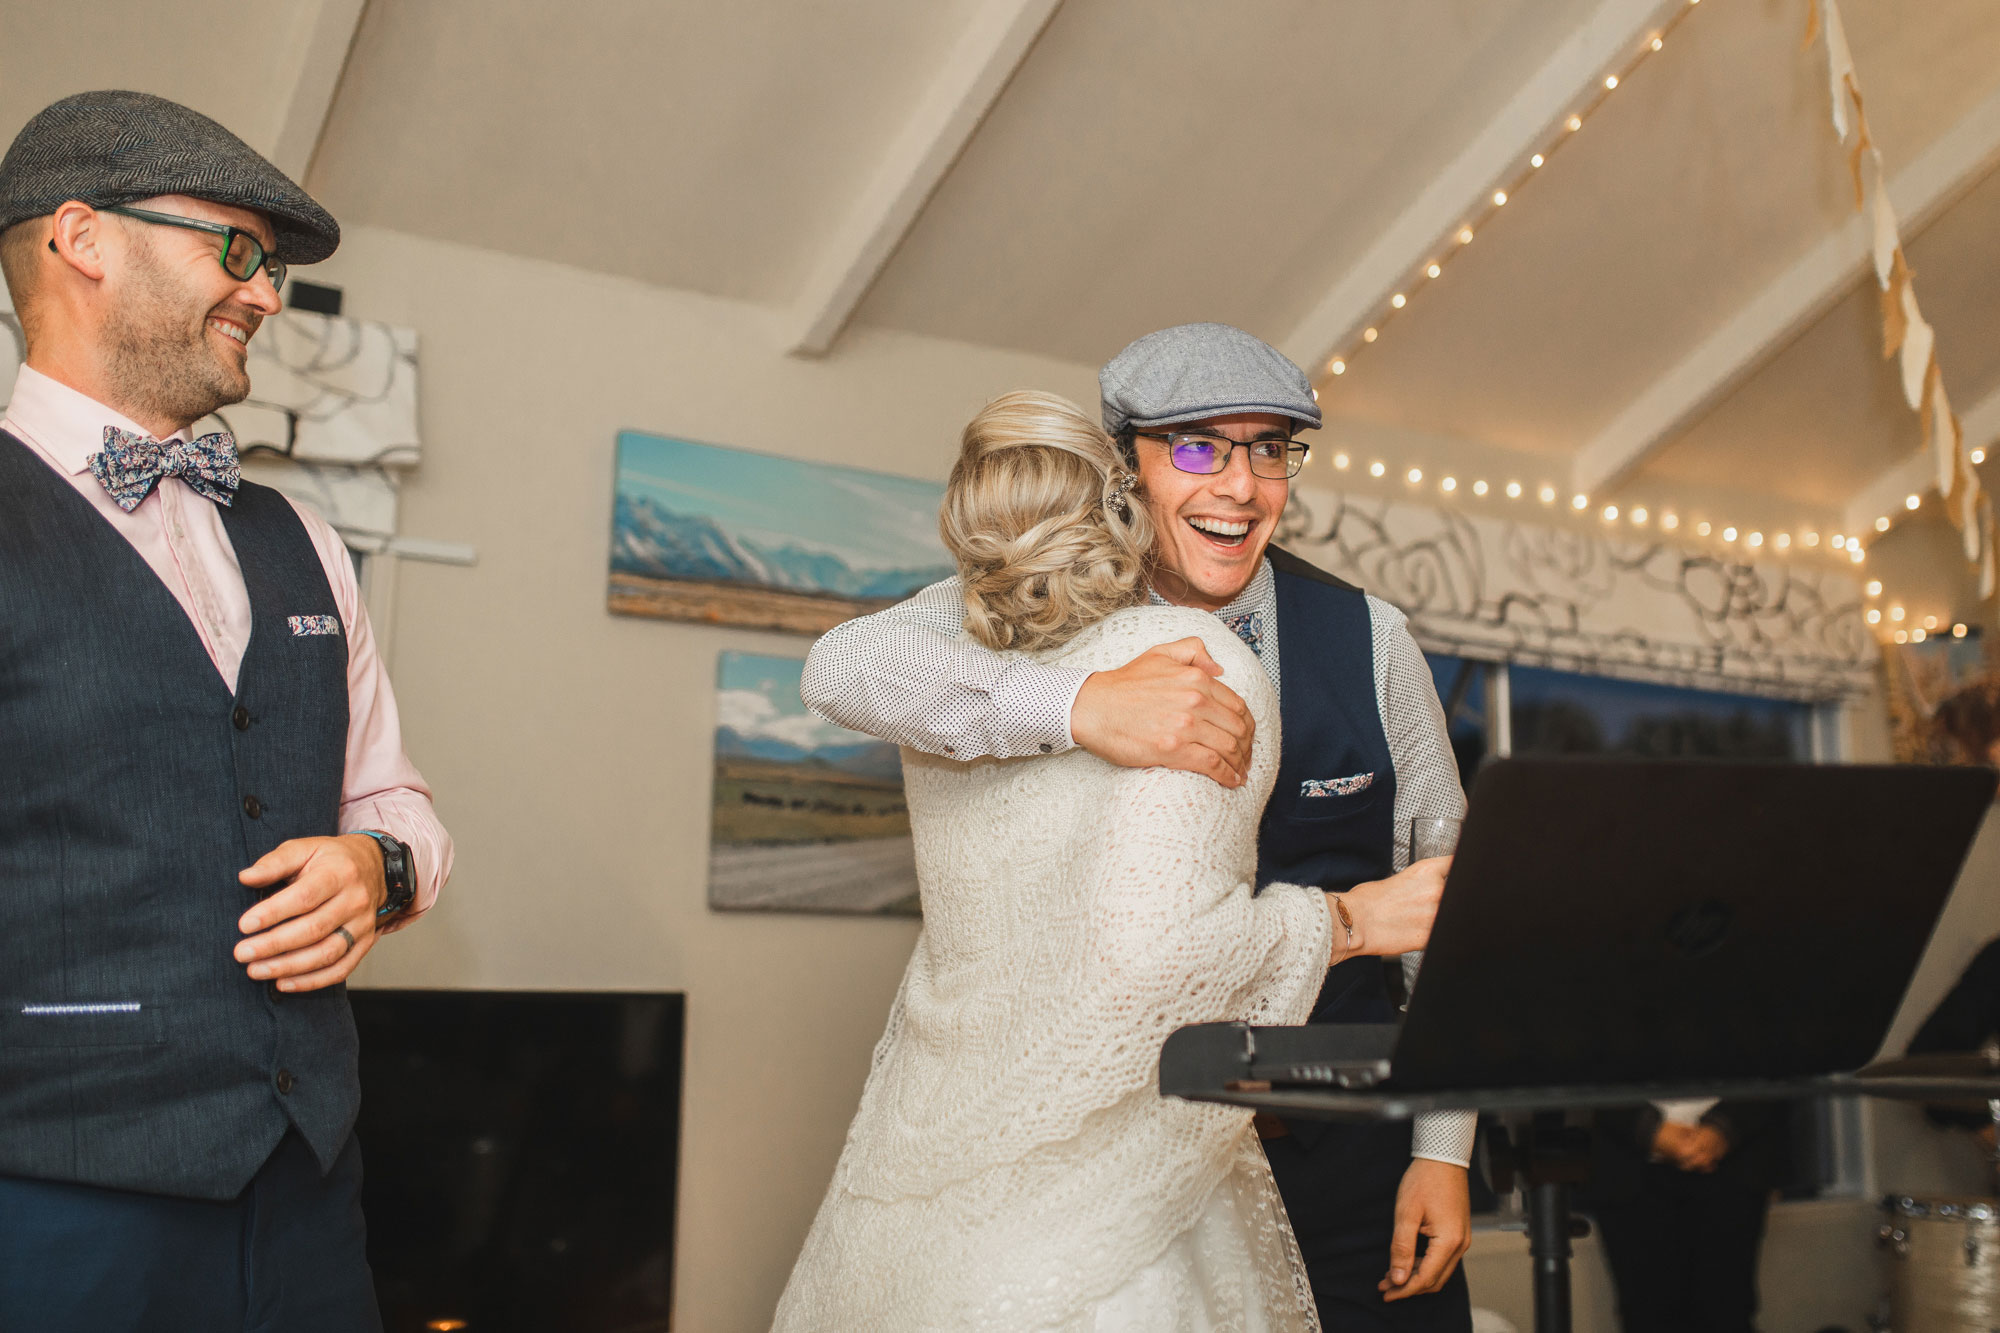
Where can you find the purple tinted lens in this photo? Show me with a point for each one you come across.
(1194, 455)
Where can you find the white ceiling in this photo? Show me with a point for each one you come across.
(1169, 160)
(1141, 162)
(692, 145)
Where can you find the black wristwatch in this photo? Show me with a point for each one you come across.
(396, 872)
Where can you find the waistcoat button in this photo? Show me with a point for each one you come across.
(285, 1080)
(240, 719)
(253, 807)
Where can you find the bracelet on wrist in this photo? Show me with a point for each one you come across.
(1346, 918)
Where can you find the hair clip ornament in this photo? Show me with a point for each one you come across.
(1115, 497)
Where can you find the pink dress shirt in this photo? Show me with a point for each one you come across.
(180, 534)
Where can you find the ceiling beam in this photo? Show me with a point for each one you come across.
(1917, 474)
(966, 87)
(1888, 492)
(307, 74)
(1774, 316)
(1567, 81)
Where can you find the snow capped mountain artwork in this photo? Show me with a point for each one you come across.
(701, 532)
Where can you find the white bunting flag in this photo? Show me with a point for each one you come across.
(1944, 437)
(1918, 343)
(1839, 66)
(1887, 238)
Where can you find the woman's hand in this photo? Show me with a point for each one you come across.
(1392, 916)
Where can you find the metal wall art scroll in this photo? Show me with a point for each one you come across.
(1559, 597)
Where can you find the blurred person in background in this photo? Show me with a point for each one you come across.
(1681, 1191)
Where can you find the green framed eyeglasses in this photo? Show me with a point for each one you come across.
(242, 253)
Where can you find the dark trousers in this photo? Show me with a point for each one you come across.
(1339, 1185)
(288, 1255)
(1683, 1251)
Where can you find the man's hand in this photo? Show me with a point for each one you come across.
(1393, 916)
(1434, 1201)
(1691, 1147)
(1706, 1147)
(334, 884)
(1671, 1142)
(1166, 709)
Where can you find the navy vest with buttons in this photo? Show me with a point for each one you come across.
(1331, 818)
(1331, 822)
(134, 1050)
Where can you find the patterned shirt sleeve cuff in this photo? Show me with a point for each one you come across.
(1069, 708)
(1445, 1136)
(1031, 704)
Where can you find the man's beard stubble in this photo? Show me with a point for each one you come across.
(162, 360)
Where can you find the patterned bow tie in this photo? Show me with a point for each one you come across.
(1248, 627)
(130, 465)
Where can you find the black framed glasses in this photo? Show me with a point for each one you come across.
(242, 253)
(1205, 455)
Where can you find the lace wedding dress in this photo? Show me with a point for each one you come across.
(1012, 1166)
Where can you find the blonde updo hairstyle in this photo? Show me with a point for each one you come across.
(1042, 520)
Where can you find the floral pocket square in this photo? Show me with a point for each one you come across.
(1336, 786)
(303, 626)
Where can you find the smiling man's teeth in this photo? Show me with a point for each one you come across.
(1219, 528)
(230, 330)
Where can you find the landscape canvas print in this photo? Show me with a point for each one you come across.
(808, 816)
(730, 537)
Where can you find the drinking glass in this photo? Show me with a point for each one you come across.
(1433, 837)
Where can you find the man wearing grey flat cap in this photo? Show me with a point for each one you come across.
(206, 815)
(1207, 414)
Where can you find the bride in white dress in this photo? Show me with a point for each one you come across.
(1013, 1166)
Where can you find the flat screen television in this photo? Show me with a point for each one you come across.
(519, 1152)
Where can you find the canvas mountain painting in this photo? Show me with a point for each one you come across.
(737, 538)
(807, 816)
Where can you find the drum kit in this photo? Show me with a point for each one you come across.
(1944, 1253)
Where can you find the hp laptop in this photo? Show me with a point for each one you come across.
(1622, 922)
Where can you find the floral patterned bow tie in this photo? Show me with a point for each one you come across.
(130, 465)
(1248, 627)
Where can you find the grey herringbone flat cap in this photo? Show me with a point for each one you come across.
(1193, 371)
(119, 147)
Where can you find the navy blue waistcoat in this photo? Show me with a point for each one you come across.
(1338, 1180)
(134, 1050)
(1332, 735)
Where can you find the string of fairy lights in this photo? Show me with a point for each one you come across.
(1430, 270)
(1848, 548)
(1751, 542)
(1892, 622)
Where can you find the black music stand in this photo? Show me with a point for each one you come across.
(1273, 1070)
(1726, 923)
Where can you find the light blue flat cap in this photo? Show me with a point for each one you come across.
(1193, 371)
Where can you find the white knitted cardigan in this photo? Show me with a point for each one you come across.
(1012, 1160)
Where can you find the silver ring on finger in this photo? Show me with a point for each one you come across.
(342, 932)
